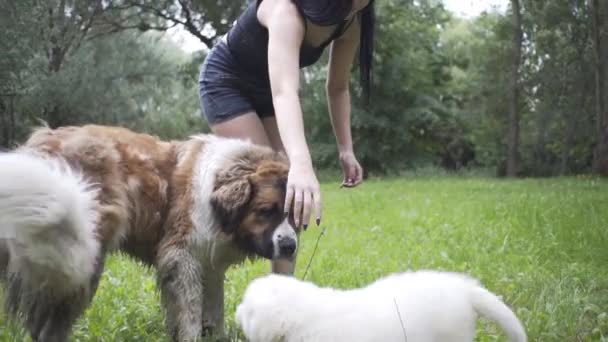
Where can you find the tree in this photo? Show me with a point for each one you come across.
(18, 46)
(64, 25)
(510, 90)
(479, 63)
(513, 137)
(558, 129)
(204, 19)
(599, 14)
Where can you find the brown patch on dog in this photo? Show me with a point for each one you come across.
(133, 172)
(268, 183)
(231, 193)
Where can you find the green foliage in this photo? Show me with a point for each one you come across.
(408, 122)
(559, 130)
(129, 78)
(124, 80)
(479, 65)
(547, 263)
(439, 96)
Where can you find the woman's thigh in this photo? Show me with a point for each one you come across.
(231, 102)
(247, 126)
(272, 131)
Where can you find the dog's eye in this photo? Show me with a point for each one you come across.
(266, 211)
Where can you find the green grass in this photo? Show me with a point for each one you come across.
(541, 244)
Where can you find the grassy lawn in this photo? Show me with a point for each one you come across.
(541, 244)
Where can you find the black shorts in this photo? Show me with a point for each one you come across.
(226, 91)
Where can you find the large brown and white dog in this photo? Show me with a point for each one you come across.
(191, 209)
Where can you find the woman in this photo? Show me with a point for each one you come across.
(249, 83)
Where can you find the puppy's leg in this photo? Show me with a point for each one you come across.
(213, 299)
(181, 293)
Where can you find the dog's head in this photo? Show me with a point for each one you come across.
(248, 200)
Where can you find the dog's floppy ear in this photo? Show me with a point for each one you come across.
(231, 193)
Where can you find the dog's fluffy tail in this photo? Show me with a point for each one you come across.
(490, 306)
(48, 216)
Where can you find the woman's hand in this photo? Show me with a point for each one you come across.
(303, 193)
(353, 173)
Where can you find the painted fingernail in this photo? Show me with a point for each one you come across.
(318, 221)
(305, 226)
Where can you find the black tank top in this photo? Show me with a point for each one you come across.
(247, 41)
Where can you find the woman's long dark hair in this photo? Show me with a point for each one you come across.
(366, 48)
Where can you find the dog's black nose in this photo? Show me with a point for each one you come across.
(287, 246)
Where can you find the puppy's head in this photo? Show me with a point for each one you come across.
(266, 310)
(248, 200)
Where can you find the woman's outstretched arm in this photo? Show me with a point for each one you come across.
(285, 34)
(342, 54)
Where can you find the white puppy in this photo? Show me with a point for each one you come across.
(424, 306)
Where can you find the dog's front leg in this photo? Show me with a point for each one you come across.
(283, 266)
(213, 300)
(181, 293)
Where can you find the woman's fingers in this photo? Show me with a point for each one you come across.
(297, 207)
(349, 176)
(358, 175)
(288, 199)
(302, 196)
(304, 203)
(307, 203)
(353, 173)
(316, 197)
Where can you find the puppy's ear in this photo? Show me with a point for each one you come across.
(232, 192)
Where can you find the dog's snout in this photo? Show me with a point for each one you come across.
(287, 246)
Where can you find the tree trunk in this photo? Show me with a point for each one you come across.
(513, 137)
(11, 119)
(540, 152)
(572, 122)
(567, 147)
(599, 13)
(4, 124)
(56, 49)
(52, 112)
(7, 121)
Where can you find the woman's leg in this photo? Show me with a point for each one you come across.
(272, 131)
(247, 126)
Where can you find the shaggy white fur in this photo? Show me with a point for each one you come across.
(48, 216)
(423, 306)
